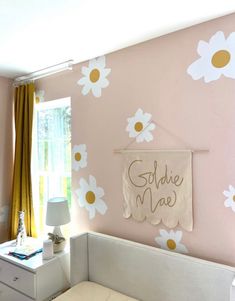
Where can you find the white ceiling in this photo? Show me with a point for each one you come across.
(35, 34)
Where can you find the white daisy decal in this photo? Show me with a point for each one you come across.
(89, 196)
(4, 214)
(39, 96)
(171, 241)
(94, 77)
(230, 201)
(216, 58)
(140, 125)
(79, 157)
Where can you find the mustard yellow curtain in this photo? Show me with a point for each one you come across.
(22, 188)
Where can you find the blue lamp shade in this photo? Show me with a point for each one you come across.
(57, 212)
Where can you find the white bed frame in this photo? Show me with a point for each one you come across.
(147, 273)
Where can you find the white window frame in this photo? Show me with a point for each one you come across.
(52, 104)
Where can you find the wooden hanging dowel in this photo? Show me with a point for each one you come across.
(119, 151)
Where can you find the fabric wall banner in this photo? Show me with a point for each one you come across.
(157, 187)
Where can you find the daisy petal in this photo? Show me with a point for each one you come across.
(82, 81)
(147, 117)
(104, 83)
(92, 181)
(83, 163)
(96, 91)
(101, 61)
(83, 183)
(196, 69)
(181, 248)
(105, 72)
(92, 64)
(212, 74)
(217, 39)
(202, 48)
(231, 38)
(228, 203)
(91, 212)
(148, 136)
(85, 71)
(231, 188)
(139, 113)
(140, 138)
(81, 202)
(160, 241)
(101, 207)
(100, 192)
(86, 89)
(178, 235)
(230, 70)
(151, 126)
(133, 134)
(163, 233)
(227, 193)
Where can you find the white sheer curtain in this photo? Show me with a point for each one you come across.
(51, 159)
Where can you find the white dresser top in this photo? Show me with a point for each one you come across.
(31, 264)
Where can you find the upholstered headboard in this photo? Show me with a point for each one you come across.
(147, 273)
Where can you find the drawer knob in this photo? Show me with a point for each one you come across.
(15, 278)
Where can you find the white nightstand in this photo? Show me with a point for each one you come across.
(32, 279)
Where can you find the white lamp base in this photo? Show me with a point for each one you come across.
(59, 246)
(57, 231)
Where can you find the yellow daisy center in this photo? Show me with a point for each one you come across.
(234, 198)
(90, 197)
(94, 75)
(220, 59)
(171, 244)
(78, 156)
(139, 126)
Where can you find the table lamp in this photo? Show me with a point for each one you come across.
(57, 215)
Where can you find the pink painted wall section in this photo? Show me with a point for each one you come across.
(6, 154)
(189, 113)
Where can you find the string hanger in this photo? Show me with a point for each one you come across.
(126, 148)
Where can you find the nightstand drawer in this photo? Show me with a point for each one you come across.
(8, 294)
(17, 278)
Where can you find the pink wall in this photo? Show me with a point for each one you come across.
(153, 76)
(5, 154)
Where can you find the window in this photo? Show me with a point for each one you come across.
(51, 156)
